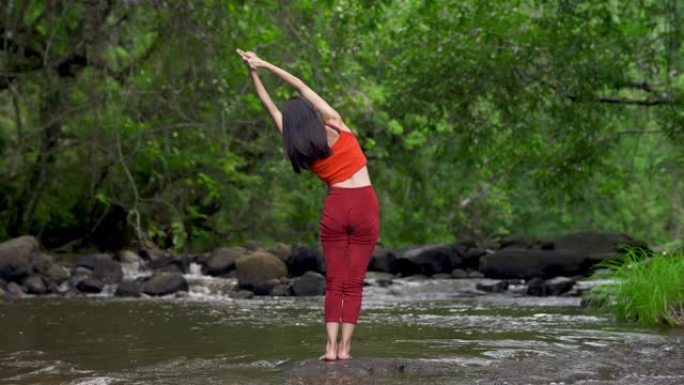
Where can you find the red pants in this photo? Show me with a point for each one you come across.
(349, 230)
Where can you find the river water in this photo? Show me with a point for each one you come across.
(430, 331)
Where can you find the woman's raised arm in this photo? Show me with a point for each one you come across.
(327, 112)
(265, 98)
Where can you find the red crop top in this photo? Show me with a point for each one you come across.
(346, 159)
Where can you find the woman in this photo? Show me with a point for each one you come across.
(316, 139)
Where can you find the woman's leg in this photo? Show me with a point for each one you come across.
(364, 222)
(332, 329)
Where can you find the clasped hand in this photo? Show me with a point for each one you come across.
(251, 59)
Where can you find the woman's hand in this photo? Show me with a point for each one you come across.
(251, 59)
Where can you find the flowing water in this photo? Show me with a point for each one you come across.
(431, 331)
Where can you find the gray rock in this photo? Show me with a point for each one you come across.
(442, 276)
(459, 273)
(281, 251)
(528, 263)
(15, 258)
(222, 260)
(41, 262)
(281, 291)
(241, 294)
(104, 267)
(475, 274)
(252, 245)
(492, 286)
(57, 273)
(555, 286)
(128, 288)
(303, 259)
(426, 260)
(14, 290)
(172, 268)
(127, 256)
(381, 260)
(258, 267)
(35, 284)
(164, 283)
(311, 283)
(265, 287)
(90, 285)
(80, 270)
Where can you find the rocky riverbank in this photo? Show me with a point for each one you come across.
(532, 267)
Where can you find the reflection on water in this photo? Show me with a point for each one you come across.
(430, 331)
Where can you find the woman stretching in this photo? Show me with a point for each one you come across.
(316, 139)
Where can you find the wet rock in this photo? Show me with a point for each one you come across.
(103, 267)
(442, 276)
(471, 257)
(305, 259)
(594, 242)
(241, 294)
(376, 278)
(426, 260)
(258, 267)
(15, 258)
(90, 285)
(57, 273)
(80, 270)
(492, 286)
(474, 274)
(459, 273)
(172, 268)
(265, 287)
(559, 285)
(127, 256)
(128, 288)
(41, 262)
(35, 285)
(281, 291)
(164, 283)
(281, 251)
(14, 290)
(528, 263)
(311, 283)
(516, 241)
(381, 260)
(222, 260)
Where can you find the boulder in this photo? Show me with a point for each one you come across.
(281, 251)
(555, 286)
(128, 288)
(164, 283)
(459, 273)
(127, 256)
(381, 260)
(35, 284)
(528, 263)
(516, 241)
(241, 294)
(14, 290)
(222, 260)
(103, 266)
(172, 268)
(265, 287)
(426, 260)
(471, 257)
(310, 283)
(42, 262)
(90, 285)
(15, 258)
(57, 273)
(492, 286)
(252, 245)
(474, 274)
(305, 259)
(281, 291)
(258, 267)
(591, 242)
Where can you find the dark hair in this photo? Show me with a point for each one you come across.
(304, 134)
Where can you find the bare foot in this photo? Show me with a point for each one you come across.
(330, 353)
(343, 352)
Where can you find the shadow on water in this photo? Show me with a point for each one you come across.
(410, 333)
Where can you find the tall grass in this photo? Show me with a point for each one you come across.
(648, 290)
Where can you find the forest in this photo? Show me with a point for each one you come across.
(127, 122)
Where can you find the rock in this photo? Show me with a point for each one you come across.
(252, 245)
(591, 242)
(241, 294)
(41, 262)
(258, 267)
(492, 286)
(471, 257)
(128, 288)
(265, 287)
(378, 279)
(555, 286)
(127, 256)
(3, 283)
(311, 283)
(15, 258)
(474, 274)
(426, 260)
(90, 285)
(172, 268)
(516, 241)
(103, 267)
(80, 270)
(305, 259)
(35, 284)
(14, 290)
(2, 293)
(381, 260)
(164, 283)
(57, 273)
(222, 260)
(528, 263)
(459, 273)
(281, 251)
(442, 276)
(281, 291)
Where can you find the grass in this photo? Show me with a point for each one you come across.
(647, 290)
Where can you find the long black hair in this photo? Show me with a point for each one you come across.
(304, 134)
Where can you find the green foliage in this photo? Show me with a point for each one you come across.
(645, 290)
(478, 118)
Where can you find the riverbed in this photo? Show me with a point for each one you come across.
(414, 331)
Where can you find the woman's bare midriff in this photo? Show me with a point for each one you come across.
(359, 179)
